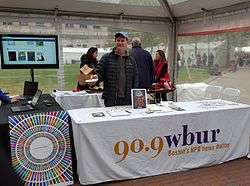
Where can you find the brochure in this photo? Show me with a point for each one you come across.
(86, 70)
(115, 113)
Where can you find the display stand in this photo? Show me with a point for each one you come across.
(30, 87)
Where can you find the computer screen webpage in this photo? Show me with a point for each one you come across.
(29, 51)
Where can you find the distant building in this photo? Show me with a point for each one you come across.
(72, 34)
(72, 55)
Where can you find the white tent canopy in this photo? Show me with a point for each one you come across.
(193, 16)
(164, 17)
(147, 8)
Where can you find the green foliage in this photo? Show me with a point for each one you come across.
(70, 76)
(13, 80)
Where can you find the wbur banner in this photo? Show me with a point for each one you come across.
(156, 144)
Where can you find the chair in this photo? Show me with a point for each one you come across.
(230, 94)
(191, 92)
(213, 92)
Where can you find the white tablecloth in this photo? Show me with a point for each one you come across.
(143, 144)
(75, 100)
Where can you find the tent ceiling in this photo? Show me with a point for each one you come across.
(119, 7)
(129, 2)
(194, 6)
(87, 7)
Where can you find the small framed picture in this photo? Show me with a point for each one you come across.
(139, 98)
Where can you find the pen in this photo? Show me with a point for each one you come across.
(127, 111)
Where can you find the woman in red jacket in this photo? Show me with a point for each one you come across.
(161, 72)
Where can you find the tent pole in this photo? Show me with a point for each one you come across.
(172, 46)
(165, 4)
(172, 56)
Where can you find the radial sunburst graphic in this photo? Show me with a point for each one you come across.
(40, 148)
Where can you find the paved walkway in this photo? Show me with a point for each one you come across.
(239, 79)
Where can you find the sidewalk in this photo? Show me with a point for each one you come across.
(239, 79)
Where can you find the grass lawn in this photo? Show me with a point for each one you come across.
(197, 75)
(13, 80)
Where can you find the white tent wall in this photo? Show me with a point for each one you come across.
(140, 25)
(226, 37)
(211, 24)
(19, 23)
(191, 17)
(172, 48)
(60, 71)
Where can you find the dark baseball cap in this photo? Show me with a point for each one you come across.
(121, 34)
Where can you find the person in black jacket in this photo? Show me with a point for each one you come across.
(119, 73)
(90, 59)
(144, 63)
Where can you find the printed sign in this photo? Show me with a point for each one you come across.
(40, 148)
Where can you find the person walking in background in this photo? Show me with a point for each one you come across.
(144, 63)
(198, 60)
(119, 73)
(182, 55)
(210, 59)
(178, 59)
(161, 72)
(192, 60)
(189, 61)
(90, 59)
(204, 59)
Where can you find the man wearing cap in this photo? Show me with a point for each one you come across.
(144, 63)
(118, 71)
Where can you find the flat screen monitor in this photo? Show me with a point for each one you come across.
(29, 51)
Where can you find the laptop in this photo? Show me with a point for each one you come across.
(28, 106)
(25, 98)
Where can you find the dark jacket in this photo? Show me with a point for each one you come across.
(91, 64)
(4, 98)
(107, 71)
(145, 66)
